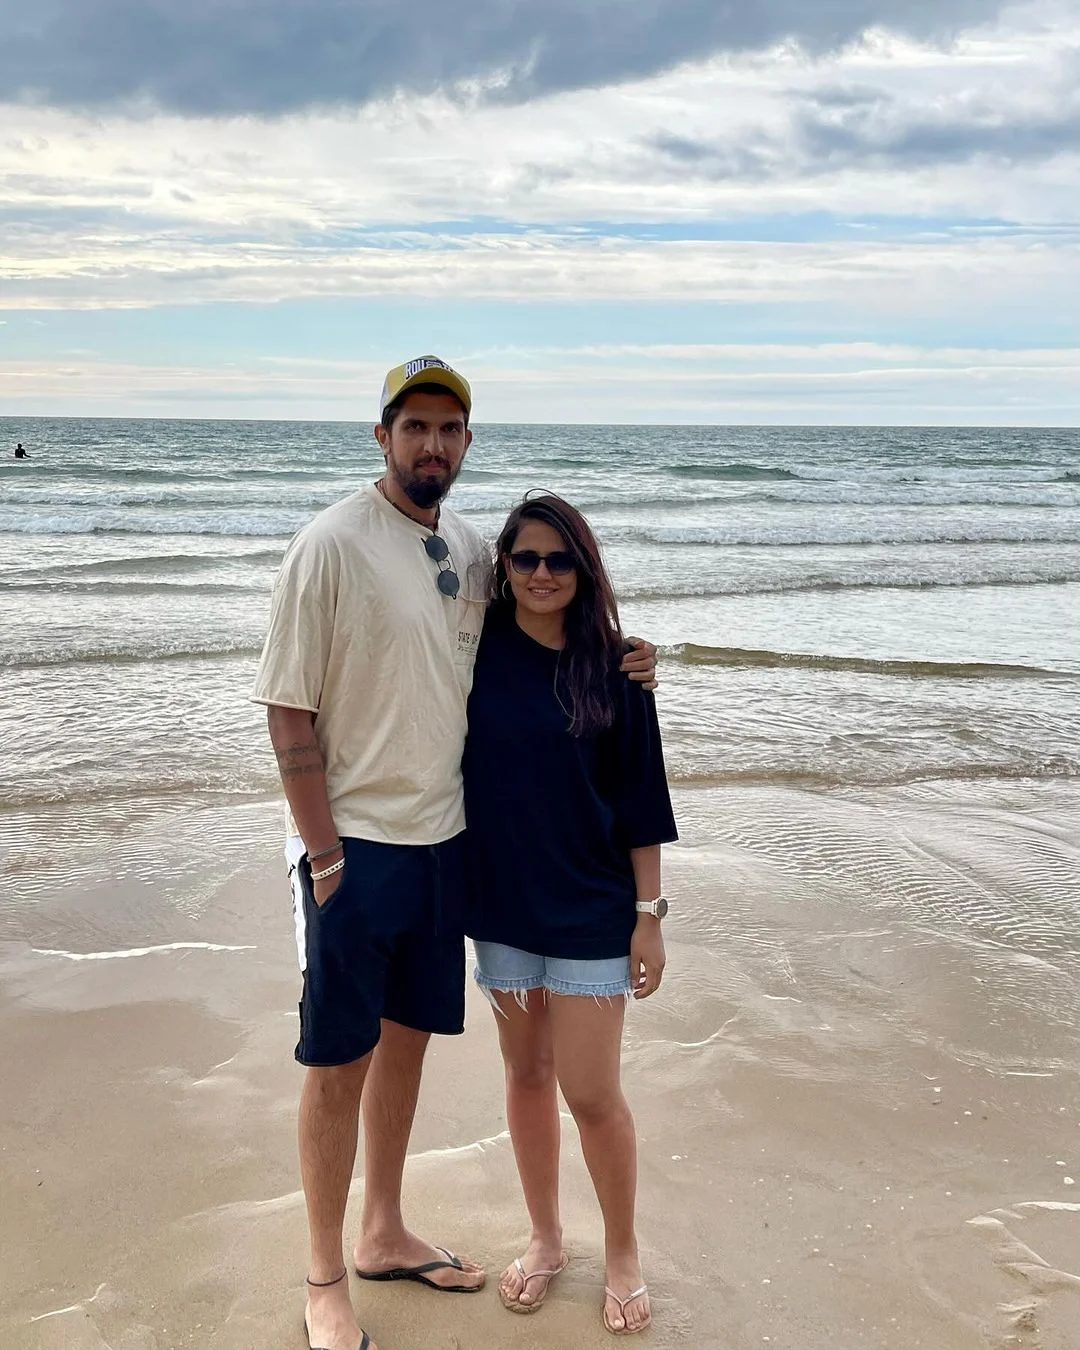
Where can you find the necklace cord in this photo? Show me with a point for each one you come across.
(380, 484)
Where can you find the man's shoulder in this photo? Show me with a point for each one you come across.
(317, 550)
(342, 516)
(333, 524)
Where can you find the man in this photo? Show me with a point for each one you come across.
(20, 453)
(366, 671)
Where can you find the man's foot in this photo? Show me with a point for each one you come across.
(626, 1299)
(524, 1283)
(374, 1256)
(329, 1318)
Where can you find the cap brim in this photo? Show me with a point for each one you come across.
(450, 381)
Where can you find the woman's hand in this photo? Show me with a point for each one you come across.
(647, 956)
(640, 664)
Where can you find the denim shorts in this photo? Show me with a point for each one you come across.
(512, 971)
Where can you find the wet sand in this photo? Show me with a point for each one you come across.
(856, 1129)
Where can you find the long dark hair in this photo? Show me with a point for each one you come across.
(594, 639)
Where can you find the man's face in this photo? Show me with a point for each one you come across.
(426, 446)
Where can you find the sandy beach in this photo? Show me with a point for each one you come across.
(855, 1129)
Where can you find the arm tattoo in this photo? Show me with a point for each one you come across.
(299, 771)
(294, 751)
(290, 759)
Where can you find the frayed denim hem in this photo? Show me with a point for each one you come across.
(520, 988)
(617, 989)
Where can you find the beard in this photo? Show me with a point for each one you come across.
(424, 490)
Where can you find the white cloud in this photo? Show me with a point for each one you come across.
(931, 277)
(624, 383)
(781, 162)
(590, 154)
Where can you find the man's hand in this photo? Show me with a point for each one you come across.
(647, 956)
(640, 664)
(324, 889)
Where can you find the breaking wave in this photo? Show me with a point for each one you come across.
(690, 653)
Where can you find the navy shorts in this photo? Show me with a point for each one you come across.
(389, 942)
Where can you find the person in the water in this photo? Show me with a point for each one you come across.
(20, 453)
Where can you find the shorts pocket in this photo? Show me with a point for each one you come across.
(332, 898)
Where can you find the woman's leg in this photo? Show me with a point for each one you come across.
(587, 1041)
(532, 1113)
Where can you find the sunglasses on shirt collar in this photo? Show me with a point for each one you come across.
(437, 549)
(527, 560)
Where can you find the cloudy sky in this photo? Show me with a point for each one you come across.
(602, 210)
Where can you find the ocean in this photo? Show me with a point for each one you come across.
(838, 608)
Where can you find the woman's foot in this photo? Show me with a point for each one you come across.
(524, 1283)
(626, 1297)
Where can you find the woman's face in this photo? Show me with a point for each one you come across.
(540, 592)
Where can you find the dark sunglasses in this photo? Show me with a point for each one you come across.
(528, 560)
(435, 546)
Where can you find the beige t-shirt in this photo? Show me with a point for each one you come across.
(361, 636)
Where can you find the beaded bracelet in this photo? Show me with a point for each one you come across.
(329, 871)
(324, 853)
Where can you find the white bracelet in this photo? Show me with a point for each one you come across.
(329, 871)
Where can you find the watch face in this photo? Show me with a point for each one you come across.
(661, 908)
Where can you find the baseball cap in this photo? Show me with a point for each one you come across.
(424, 370)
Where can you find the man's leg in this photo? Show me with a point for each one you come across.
(389, 1111)
(389, 1103)
(329, 1116)
(425, 989)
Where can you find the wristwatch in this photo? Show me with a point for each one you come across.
(657, 908)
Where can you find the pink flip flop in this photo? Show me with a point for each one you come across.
(514, 1304)
(622, 1302)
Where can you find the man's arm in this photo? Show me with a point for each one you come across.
(303, 776)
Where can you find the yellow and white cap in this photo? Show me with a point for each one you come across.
(424, 370)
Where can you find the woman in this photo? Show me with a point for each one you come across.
(567, 805)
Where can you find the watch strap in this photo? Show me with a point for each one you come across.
(656, 907)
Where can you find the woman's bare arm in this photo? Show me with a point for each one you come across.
(647, 955)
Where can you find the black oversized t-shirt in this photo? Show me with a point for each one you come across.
(551, 817)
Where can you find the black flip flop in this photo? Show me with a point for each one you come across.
(365, 1340)
(419, 1274)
